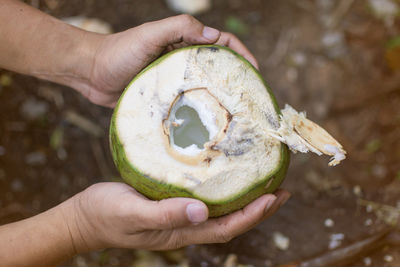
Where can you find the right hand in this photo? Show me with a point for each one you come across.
(115, 215)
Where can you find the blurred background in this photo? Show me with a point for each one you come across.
(337, 60)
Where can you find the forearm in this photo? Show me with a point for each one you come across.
(43, 240)
(34, 43)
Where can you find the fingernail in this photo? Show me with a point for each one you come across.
(210, 33)
(283, 200)
(269, 204)
(196, 213)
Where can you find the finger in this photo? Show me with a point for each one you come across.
(282, 196)
(177, 29)
(231, 41)
(171, 213)
(223, 229)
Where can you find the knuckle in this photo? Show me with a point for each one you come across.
(223, 236)
(228, 34)
(167, 219)
(186, 19)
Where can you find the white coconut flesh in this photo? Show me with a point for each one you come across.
(202, 120)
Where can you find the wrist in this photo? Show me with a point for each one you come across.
(80, 230)
(36, 44)
(73, 57)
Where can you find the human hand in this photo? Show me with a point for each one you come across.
(119, 57)
(115, 215)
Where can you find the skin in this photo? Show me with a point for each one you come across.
(109, 214)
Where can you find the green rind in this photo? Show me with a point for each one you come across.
(158, 190)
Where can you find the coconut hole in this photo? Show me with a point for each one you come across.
(190, 130)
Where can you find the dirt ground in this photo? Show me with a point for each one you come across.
(329, 58)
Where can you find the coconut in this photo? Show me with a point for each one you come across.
(201, 122)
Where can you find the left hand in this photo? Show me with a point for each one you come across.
(119, 57)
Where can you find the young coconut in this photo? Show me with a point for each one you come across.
(201, 122)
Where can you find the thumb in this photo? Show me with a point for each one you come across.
(174, 213)
(177, 29)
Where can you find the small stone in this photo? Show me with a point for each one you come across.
(335, 240)
(62, 153)
(299, 59)
(388, 258)
(330, 39)
(80, 261)
(379, 171)
(36, 158)
(231, 261)
(369, 208)
(384, 8)
(357, 190)
(334, 42)
(329, 223)
(33, 109)
(292, 74)
(368, 222)
(192, 7)
(281, 241)
(367, 261)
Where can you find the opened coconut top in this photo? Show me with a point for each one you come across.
(203, 116)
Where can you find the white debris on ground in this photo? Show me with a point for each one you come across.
(335, 240)
(367, 261)
(299, 59)
(357, 191)
(231, 261)
(368, 222)
(388, 258)
(89, 24)
(389, 214)
(369, 208)
(334, 42)
(34, 109)
(281, 241)
(192, 7)
(329, 223)
(386, 9)
(303, 135)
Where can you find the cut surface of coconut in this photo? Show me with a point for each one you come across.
(195, 122)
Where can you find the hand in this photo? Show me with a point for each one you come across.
(115, 215)
(119, 57)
